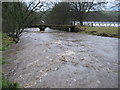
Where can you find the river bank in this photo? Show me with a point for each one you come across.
(5, 44)
(102, 31)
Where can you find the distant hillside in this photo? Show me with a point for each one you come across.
(111, 16)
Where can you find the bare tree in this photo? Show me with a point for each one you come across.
(80, 10)
(20, 12)
(115, 5)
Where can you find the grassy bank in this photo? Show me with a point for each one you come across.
(5, 43)
(102, 31)
(7, 84)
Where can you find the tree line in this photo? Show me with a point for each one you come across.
(68, 13)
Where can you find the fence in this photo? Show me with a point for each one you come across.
(104, 24)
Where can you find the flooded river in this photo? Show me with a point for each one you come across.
(55, 59)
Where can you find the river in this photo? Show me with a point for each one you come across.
(57, 59)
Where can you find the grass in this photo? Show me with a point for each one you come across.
(7, 84)
(2, 60)
(5, 43)
(102, 31)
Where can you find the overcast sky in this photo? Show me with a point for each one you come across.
(108, 6)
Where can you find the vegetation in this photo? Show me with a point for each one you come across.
(102, 31)
(5, 44)
(67, 12)
(59, 14)
(7, 84)
(2, 60)
(6, 41)
(16, 15)
(107, 16)
(80, 10)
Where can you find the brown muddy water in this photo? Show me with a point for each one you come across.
(55, 59)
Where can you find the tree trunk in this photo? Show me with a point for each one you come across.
(16, 36)
(74, 22)
(81, 23)
(16, 39)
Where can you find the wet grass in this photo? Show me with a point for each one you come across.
(102, 31)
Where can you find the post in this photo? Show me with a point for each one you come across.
(72, 29)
